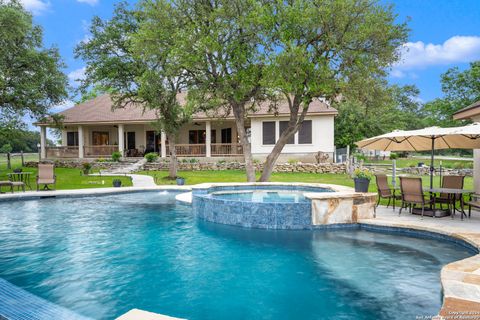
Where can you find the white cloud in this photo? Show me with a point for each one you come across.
(63, 106)
(35, 6)
(457, 49)
(90, 2)
(397, 73)
(76, 75)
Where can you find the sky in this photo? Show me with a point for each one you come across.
(443, 34)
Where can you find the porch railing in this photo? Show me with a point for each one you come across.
(95, 151)
(200, 150)
(62, 152)
(189, 149)
(226, 149)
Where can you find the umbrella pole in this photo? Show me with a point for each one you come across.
(432, 163)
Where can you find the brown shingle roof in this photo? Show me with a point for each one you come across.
(99, 109)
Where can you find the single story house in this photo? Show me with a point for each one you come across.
(472, 112)
(92, 130)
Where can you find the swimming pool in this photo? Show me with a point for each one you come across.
(102, 256)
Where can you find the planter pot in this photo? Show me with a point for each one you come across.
(117, 183)
(17, 170)
(86, 172)
(361, 184)
(180, 181)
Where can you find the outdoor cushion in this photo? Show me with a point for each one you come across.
(46, 181)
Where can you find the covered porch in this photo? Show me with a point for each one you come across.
(196, 139)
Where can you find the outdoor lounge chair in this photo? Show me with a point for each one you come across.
(46, 175)
(451, 182)
(412, 193)
(384, 190)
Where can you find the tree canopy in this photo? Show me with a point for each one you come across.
(31, 77)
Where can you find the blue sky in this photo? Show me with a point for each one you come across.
(444, 33)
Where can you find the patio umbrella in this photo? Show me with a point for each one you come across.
(432, 138)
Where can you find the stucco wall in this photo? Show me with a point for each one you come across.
(322, 136)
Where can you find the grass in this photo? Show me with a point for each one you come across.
(409, 162)
(67, 178)
(195, 177)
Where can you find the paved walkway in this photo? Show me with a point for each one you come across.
(138, 180)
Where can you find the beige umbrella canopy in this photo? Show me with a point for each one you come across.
(432, 138)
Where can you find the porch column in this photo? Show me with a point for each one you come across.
(208, 139)
(43, 142)
(121, 142)
(81, 142)
(163, 140)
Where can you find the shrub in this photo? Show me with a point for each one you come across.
(194, 160)
(87, 166)
(360, 157)
(6, 148)
(220, 162)
(116, 156)
(393, 156)
(101, 160)
(292, 161)
(151, 156)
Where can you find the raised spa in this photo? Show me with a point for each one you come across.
(278, 206)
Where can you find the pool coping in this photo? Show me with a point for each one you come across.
(460, 279)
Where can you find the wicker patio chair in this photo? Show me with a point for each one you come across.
(412, 194)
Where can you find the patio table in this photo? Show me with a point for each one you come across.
(453, 193)
(23, 177)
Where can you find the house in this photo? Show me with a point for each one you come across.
(92, 130)
(472, 112)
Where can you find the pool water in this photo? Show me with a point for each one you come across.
(262, 196)
(102, 256)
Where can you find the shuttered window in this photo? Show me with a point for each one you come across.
(268, 132)
(283, 127)
(305, 132)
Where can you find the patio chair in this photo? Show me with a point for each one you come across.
(384, 190)
(474, 202)
(46, 175)
(8, 184)
(451, 182)
(412, 194)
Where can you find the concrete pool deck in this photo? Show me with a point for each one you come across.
(460, 279)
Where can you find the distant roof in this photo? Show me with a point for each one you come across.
(100, 110)
(468, 112)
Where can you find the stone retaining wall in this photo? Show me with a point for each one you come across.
(281, 167)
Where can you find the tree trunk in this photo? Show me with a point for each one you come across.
(239, 112)
(296, 119)
(274, 154)
(172, 170)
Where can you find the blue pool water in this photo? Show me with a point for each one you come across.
(262, 196)
(102, 256)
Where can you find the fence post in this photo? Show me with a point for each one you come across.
(23, 161)
(9, 165)
(394, 173)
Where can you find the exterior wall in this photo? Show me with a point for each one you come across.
(322, 136)
(217, 125)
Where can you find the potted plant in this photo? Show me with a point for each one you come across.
(361, 177)
(87, 166)
(117, 183)
(180, 181)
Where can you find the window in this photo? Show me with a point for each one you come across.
(227, 135)
(72, 139)
(268, 131)
(196, 136)
(100, 138)
(283, 127)
(305, 132)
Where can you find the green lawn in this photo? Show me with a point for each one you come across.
(195, 177)
(413, 162)
(67, 178)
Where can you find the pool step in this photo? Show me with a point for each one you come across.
(137, 314)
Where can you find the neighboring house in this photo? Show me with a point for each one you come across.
(92, 130)
(472, 112)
